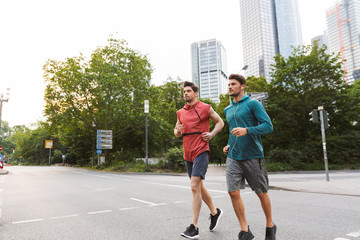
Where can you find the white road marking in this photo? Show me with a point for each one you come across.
(354, 234)
(129, 208)
(28, 221)
(159, 204)
(93, 175)
(218, 196)
(180, 202)
(98, 212)
(103, 189)
(150, 203)
(68, 216)
(341, 239)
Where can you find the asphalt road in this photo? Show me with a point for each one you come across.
(70, 203)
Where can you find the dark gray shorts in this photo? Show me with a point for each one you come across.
(253, 170)
(199, 167)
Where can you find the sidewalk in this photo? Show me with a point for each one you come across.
(341, 182)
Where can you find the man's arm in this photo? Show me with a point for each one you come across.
(219, 124)
(178, 128)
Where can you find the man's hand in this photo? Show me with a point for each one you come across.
(239, 131)
(206, 136)
(178, 129)
(226, 149)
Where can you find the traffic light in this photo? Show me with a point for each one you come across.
(314, 116)
(326, 120)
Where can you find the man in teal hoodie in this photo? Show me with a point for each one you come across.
(247, 121)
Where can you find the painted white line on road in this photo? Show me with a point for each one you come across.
(68, 216)
(129, 208)
(103, 189)
(354, 234)
(28, 221)
(341, 239)
(180, 202)
(93, 175)
(218, 196)
(142, 201)
(159, 204)
(98, 212)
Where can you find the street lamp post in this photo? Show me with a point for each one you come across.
(3, 99)
(146, 110)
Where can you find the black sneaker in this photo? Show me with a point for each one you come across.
(246, 235)
(270, 233)
(191, 232)
(214, 220)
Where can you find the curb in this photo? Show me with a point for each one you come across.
(309, 191)
(3, 172)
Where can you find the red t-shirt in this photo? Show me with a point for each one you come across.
(196, 121)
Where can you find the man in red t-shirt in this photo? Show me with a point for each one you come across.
(193, 125)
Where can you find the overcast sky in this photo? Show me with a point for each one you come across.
(33, 31)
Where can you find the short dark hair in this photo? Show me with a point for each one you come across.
(240, 78)
(193, 86)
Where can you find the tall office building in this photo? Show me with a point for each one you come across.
(209, 68)
(322, 40)
(343, 31)
(268, 27)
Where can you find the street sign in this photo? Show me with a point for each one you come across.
(1, 157)
(99, 151)
(48, 143)
(104, 132)
(63, 156)
(259, 95)
(102, 146)
(0, 147)
(104, 139)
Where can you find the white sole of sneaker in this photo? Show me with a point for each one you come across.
(190, 237)
(217, 223)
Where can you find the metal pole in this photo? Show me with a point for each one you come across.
(146, 140)
(321, 110)
(92, 148)
(49, 155)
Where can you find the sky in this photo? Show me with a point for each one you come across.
(31, 32)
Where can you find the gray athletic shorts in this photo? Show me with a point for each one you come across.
(253, 170)
(199, 167)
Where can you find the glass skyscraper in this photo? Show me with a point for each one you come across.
(343, 32)
(208, 59)
(268, 27)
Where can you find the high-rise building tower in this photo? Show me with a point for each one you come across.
(343, 31)
(209, 68)
(268, 27)
(322, 40)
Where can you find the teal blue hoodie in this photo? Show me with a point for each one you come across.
(247, 113)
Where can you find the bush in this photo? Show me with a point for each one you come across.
(175, 159)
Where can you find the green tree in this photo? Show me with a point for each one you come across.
(108, 91)
(305, 80)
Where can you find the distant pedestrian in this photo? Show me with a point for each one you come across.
(193, 125)
(247, 120)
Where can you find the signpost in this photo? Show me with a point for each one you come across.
(49, 144)
(146, 110)
(103, 141)
(0, 148)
